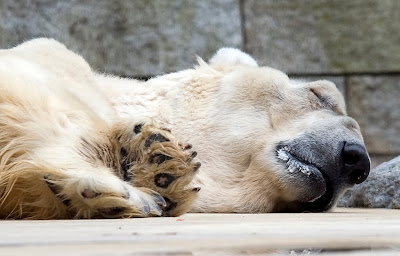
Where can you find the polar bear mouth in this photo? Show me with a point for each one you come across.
(305, 170)
(294, 163)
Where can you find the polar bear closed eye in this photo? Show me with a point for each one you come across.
(91, 145)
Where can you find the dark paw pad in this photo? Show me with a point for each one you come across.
(170, 205)
(163, 180)
(159, 158)
(153, 138)
(138, 128)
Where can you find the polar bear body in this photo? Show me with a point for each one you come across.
(266, 143)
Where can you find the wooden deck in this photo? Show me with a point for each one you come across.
(343, 232)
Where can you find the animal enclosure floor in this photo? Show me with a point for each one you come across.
(342, 232)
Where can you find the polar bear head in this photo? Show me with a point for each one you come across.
(291, 145)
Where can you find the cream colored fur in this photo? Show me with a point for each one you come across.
(231, 110)
(56, 126)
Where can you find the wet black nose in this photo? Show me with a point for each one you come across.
(356, 162)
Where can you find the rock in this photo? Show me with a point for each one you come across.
(324, 36)
(374, 102)
(379, 159)
(130, 38)
(380, 190)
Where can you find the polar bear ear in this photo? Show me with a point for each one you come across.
(232, 56)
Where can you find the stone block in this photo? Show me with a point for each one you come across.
(380, 190)
(374, 102)
(132, 38)
(314, 36)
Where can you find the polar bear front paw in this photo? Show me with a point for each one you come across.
(153, 158)
(96, 195)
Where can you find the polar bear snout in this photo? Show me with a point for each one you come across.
(356, 162)
(319, 167)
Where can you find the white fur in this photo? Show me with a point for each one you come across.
(231, 110)
(49, 103)
(232, 56)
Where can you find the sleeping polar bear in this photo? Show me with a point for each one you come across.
(77, 144)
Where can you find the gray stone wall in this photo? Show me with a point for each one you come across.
(356, 43)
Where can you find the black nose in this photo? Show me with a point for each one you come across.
(356, 162)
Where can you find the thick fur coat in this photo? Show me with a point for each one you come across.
(75, 143)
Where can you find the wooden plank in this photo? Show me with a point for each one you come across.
(204, 233)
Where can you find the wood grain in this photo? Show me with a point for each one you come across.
(209, 234)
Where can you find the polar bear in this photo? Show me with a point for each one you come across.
(78, 144)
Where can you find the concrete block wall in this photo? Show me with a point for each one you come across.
(355, 44)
